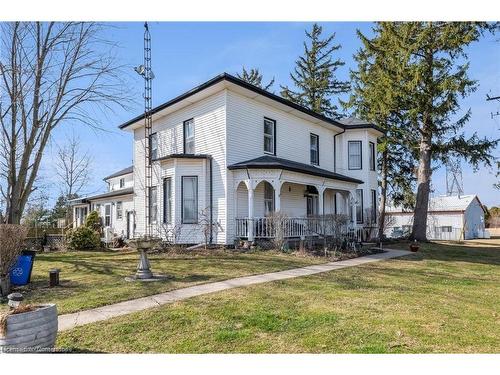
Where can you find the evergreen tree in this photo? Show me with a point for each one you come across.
(375, 98)
(315, 75)
(254, 77)
(435, 78)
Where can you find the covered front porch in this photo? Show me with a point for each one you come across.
(296, 204)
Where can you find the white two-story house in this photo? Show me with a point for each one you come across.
(115, 207)
(226, 155)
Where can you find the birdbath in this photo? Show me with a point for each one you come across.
(143, 245)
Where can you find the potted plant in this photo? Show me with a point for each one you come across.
(28, 326)
(414, 246)
(12, 237)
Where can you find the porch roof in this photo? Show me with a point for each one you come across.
(109, 194)
(272, 162)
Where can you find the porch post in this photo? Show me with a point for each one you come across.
(321, 200)
(250, 212)
(277, 196)
(353, 205)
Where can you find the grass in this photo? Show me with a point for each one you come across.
(444, 298)
(92, 279)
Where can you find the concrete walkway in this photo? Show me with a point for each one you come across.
(69, 321)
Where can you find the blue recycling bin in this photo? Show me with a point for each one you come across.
(21, 272)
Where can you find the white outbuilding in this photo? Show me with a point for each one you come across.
(449, 218)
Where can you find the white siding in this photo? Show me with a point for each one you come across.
(209, 123)
(114, 183)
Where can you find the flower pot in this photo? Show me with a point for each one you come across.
(414, 248)
(32, 329)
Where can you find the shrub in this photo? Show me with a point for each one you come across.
(83, 238)
(11, 244)
(93, 221)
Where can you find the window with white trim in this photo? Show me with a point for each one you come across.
(268, 198)
(122, 182)
(153, 146)
(107, 215)
(372, 155)
(153, 204)
(188, 134)
(354, 155)
(314, 148)
(359, 206)
(119, 210)
(374, 205)
(189, 199)
(167, 200)
(269, 136)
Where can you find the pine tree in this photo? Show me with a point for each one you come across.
(375, 97)
(435, 78)
(315, 75)
(254, 77)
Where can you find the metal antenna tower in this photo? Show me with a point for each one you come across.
(148, 75)
(454, 181)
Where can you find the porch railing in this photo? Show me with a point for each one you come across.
(296, 227)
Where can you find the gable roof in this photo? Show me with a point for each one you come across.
(225, 77)
(272, 162)
(121, 172)
(445, 203)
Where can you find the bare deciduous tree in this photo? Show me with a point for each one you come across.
(72, 167)
(50, 74)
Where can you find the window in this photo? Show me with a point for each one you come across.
(189, 136)
(359, 206)
(153, 147)
(354, 150)
(122, 182)
(107, 215)
(314, 139)
(268, 198)
(167, 200)
(374, 205)
(269, 136)
(372, 155)
(406, 229)
(119, 210)
(446, 229)
(153, 204)
(189, 199)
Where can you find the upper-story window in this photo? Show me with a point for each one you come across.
(153, 146)
(122, 182)
(354, 150)
(371, 146)
(314, 148)
(189, 136)
(269, 136)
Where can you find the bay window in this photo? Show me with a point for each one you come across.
(354, 155)
(189, 199)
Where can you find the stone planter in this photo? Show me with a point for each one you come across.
(33, 329)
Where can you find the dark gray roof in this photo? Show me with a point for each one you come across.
(109, 194)
(272, 162)
(120, 173)
(237, 81)
(356, 123)
(183, 156)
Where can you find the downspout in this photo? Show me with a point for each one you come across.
(335, 150)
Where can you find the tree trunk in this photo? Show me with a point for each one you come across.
(419, 230)
(383, 195)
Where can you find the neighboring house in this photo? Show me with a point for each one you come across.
(227, 154)
(115, 207)
(449, 218)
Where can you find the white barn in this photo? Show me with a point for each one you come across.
(227, 154)
(449, 218)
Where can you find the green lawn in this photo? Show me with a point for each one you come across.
(92, 279)
(446, 298)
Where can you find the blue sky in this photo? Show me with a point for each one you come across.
(187, 54)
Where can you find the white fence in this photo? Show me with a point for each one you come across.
(298, 227)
